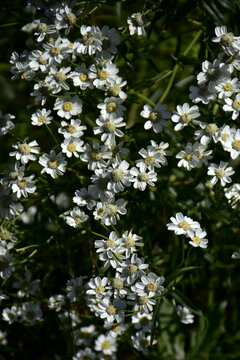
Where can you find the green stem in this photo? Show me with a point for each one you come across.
(141, 96)
(176, 67)
(51, 133)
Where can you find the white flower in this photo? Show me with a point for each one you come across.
(84, 335)
(198, 239)
(143, 304)
(5, 123)
(156, 117)
(76, 217)
(116, 88)
(227, 87)
(72, 146)
(141, 342)
(186, 317)
(233, 105)
(107, 249)
(233, 195)
(108, 127)
(86, 353)
(83, 198)
(189, 157)
(68, 106)
(183, 225)
(106, 344)
(41, 117)
(184, 115)
(99, 287)
(30, 312)
(213, 73)
(130, 241)
(140, 177)
(57, 51)
(207, 132)
(26, 285)
(110, 39)
(201, 94)
(136, 24)
(80, 77)
(220, 172)
(119, 176)
(38, 61)
(142, 321)
(74, 129)
(112, 105)
(90, 41)
(56, 302)
(53, 164)
(97, 156)
(111, 310)
(105, 77)
(6, 261)
(161, 149)
(229, 42)
(131, 269)
(9, 207)
(150, 285)
(25, 151)
(151, 158)
(24, 186)
(232, 144)
(43, 29)
(57, 78)
(10, 314)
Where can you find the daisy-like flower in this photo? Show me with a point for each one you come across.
(184, 115)
(108, 248)
(233, 195)
(31, 313)
(84, 335)
(188, 157)
(86, 353)
(183, 225)
(212, 73)
(110, 39)
(10, 314)
(202, 154)
(109, 128)
(9, 207)
(68, 106)
(5, 123)
(151, 158)
(161, 149)
(112, 210)
(116, 88)
(96, 156)
(119, 176)
(207, 133)
(233, 105)
(141, 177)
(74, 129)
(53, 164)
(41, 117)
(111, 310)
(90, 41)
(223, 133)
(115, 329)
(150, 285)
(72, 147)
(83, 198)
(156, 117)
(136, 23)
(232, 144)
(202, 94)
(57, 78)
(43, 29)
(227, 87)
(38, 61)
(220, 172)
(198, 239)
(131, 269)
(99, 287)
(119, 290)
(186, 317)
(57, 51)
(80, 77)
(106, 344)
(142, 304)
(130, 241)
(142, 321)
(112, 105)
(141, 342)
(26, 285)
(104, 77)
(25, 151)
(229, 42)
(24, 186)
(76, 217)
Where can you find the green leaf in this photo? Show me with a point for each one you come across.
(183, 300)
(175, 274)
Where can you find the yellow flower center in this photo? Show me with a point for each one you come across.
(151, 286)
(211, 129)
(56, 50)
(149, 160)
(111, 107)
(228, 86)
(110, 243)
(103, 74)
(42, 27)
(186, 117)
(187, 157)
(113, 209)
(117, 175)
(143, 177)
(71, 128)
(117, 284)
(129, 241)
(53, 164)
(71, 147)
(83, 77)
(106, 344)
(60, 76)
(25, 149)
(236, 145)
(111, 310)
(42, 118)
(22, 183)
(114, 90)
(220, 173)
(109, 127)
(131, 269)
(236, 105)
(184, 225)
(67, 106)
(99, 289)
(196, 240)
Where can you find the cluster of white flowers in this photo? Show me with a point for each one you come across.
(184, 225)
(69, 75)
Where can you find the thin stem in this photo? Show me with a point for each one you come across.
(51, 133)
(141, 96)
(176, 67)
